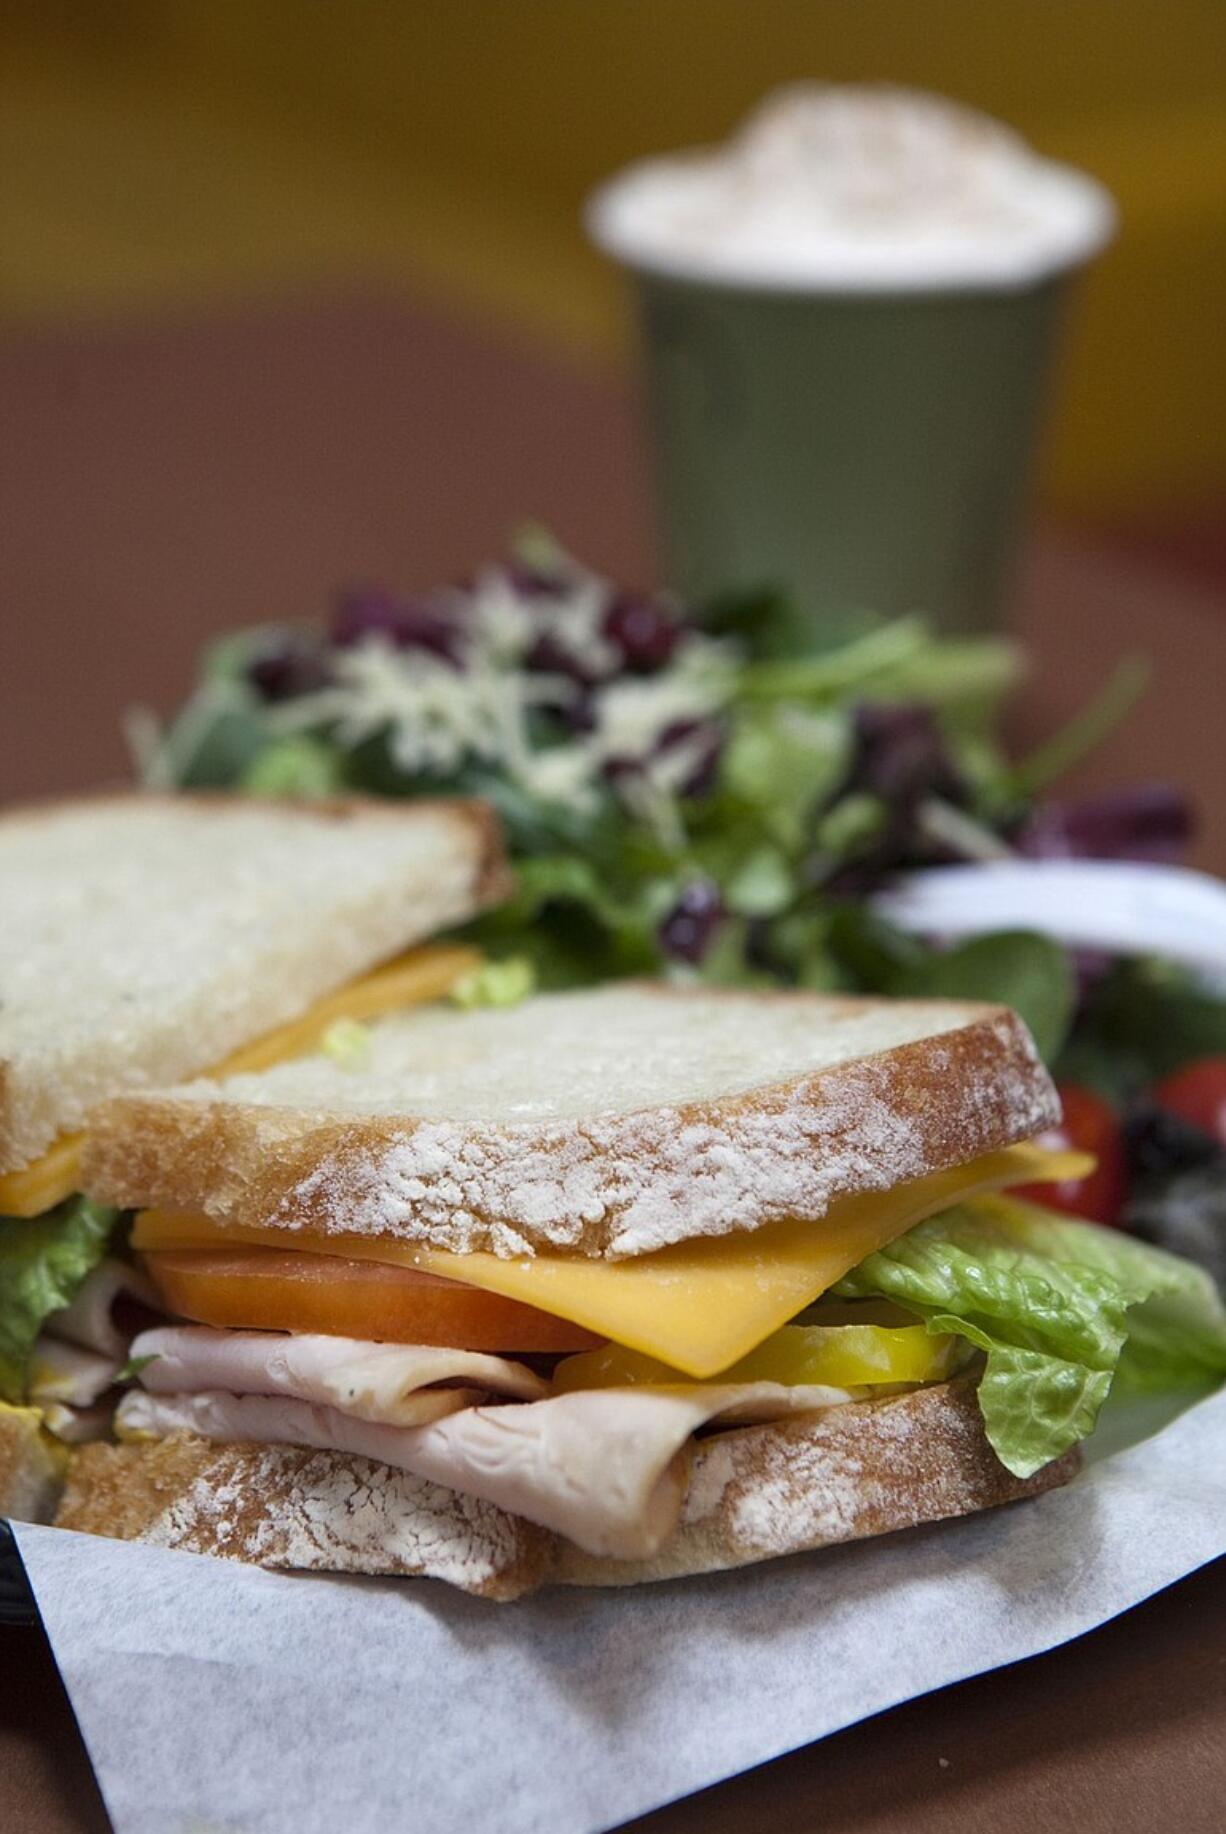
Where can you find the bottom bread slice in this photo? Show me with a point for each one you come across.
(867, 1468)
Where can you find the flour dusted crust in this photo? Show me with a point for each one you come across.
(281, 1506)
(816, 1480)
(864, 1469)
(964, 1080)
(143, 938)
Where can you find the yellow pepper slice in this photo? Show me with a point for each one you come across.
(837, 1356)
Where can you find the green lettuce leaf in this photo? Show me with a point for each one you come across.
(1145, 1019)
(1062, 1310)
(43, 1262)
(1017, 968)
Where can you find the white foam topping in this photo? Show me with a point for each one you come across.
(856, 189)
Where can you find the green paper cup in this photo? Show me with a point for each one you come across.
(849, 312)
(868, 455)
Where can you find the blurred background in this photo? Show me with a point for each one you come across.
(295, 292)
(160, 155)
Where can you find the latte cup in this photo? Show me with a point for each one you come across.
(850, 419)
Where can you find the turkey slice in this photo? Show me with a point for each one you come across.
(77, 1426)
(90, 1319)
(65, 1373)
(606, 1468)
(382, 1383)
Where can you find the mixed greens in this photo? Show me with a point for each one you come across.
(711, 799)
(706, 799)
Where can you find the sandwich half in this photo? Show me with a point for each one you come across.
(611, 1286)
(145, 939)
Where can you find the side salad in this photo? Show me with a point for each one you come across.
(711, 800)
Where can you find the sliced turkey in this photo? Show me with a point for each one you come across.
(90, 1319)
(604, 1467)
(67, 1374)
(388, 1384)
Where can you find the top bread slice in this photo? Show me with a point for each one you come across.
(605, 1123)
(143, 938)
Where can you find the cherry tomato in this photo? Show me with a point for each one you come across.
(1089, 1125)
(1197, 1093)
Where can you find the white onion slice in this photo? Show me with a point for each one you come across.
(1112, 906)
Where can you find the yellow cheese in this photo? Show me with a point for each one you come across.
(698, 1306)
(422, 974)
(45, 1182)
(33, 1465)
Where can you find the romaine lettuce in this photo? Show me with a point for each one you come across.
(43, 1262)
(1061, 1309)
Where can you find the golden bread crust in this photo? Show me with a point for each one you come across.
(583, 1186)
(285, 1507)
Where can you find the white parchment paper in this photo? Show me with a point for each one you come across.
(214, 1696)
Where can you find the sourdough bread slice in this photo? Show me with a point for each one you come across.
(605, 1123)
(143, 938)
(753, 1493)
(282, 1507)
(843, 1475)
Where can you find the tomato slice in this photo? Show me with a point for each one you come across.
(1089, 1124)
(264, 1289)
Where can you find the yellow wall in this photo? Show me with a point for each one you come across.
(154, 151)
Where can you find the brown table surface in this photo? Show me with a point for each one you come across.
(158, 485)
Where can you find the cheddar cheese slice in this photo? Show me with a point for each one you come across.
(698, 1306)
(422, 974)
(45, 1182)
